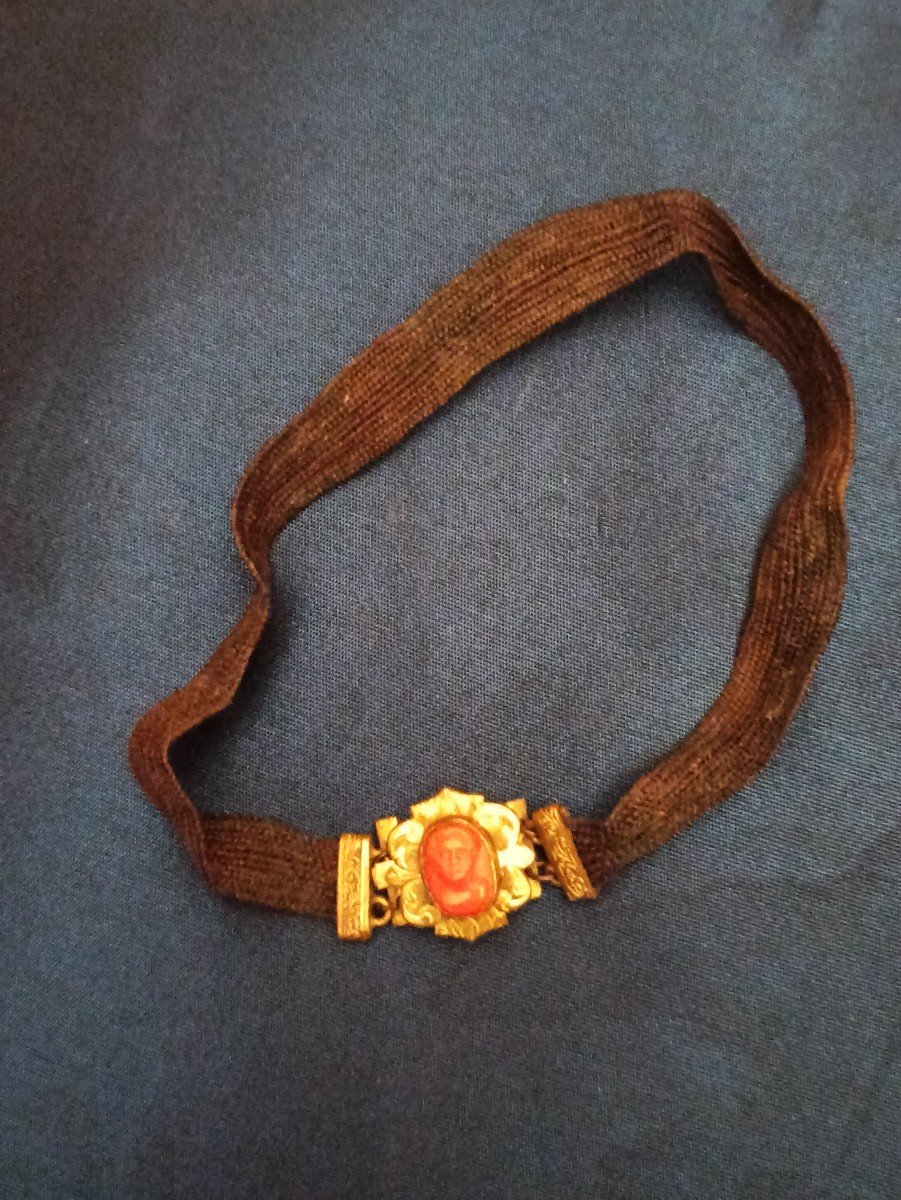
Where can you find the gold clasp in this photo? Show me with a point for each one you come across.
(457, 865)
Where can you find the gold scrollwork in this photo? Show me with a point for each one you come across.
(354, 917)
(554, 834)
(399, 869)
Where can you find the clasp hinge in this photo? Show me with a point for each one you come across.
(543, 868)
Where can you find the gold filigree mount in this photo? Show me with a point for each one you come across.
(400, 869)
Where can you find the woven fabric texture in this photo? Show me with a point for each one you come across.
(207, 211)
(519, 290)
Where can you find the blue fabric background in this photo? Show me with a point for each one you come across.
(206, 208)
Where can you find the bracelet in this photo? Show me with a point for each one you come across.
(459, 864)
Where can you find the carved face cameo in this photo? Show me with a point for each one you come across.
(459, 867)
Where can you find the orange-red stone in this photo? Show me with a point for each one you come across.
(459, 867)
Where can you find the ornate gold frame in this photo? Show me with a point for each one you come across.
(397, 870)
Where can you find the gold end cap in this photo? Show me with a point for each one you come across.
(552, 827)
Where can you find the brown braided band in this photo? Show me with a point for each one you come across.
(525, 285)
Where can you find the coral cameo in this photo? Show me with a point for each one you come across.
(459, 867)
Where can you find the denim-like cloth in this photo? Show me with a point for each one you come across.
(206, 209)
